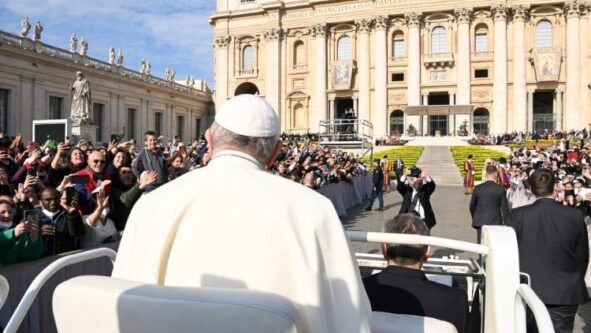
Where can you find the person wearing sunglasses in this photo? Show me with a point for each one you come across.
(96, 173)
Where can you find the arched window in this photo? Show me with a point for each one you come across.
(439, 40)
(248, 57)
(544, 34)
(344, 48)
(299, 55)
(299, 117)
(481, 121)
(398, 44)
(397, 122)
(481, 38)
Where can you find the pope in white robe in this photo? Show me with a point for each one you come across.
(233, 225)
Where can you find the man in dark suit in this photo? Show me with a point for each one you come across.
(553, 250)
(488, 205)
(403, 288)
(416, 189)
(378, 186)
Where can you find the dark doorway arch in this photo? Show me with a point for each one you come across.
(481, 121)
(246, 88)
(397, 122)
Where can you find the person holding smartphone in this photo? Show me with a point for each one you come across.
(18, 242)
(59, 221)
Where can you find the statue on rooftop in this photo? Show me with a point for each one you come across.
(25, 27)
(38, 31)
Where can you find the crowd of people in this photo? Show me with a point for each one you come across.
(520, 137)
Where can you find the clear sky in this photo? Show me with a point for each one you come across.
(169, 33)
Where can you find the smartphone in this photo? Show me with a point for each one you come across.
(569, 192)
(79, 179)
(6, 190)
(70, 193)
(31, 216)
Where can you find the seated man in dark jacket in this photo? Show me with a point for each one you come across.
(403, 288)
(60, 223)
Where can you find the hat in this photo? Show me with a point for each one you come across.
(248, 115)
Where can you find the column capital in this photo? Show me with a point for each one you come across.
(463, 15)
(499, 12)
(520, 13)
(531, 90)
(273, 34)
(573, 8)
(413, 19)
(381, 22)
(364, 25)
(222, 41)
(319, 30)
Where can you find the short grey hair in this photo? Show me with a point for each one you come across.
(260, 148)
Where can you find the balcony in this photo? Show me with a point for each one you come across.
(434, 60)
(397, 61)
(252, 72)
(482, 56)
(299, 68)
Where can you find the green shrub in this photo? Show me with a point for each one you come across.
(479, 156)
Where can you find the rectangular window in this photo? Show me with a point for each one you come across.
(97, 120)
(55, 107)
(481, 43)
(158, 123)
(398, 48)
(4, 96)
(180, 126)
(131, 123)
(198, 128)
(397, 77)
(481, 73)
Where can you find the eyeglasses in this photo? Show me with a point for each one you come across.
(98, 161)
(125, 172)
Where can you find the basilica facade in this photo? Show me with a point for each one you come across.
(424, 67)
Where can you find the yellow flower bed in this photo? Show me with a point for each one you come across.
(409, 155)
(479, 156)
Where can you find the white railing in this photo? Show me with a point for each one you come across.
(526, 295)
(4, 289)
(31, 293)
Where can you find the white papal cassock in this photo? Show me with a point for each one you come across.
(232, 225)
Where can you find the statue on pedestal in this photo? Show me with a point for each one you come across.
(112, 55)
(143, 66)
(81, 101)
(83, 46)
(38, 31)
(25, 27)
(148, 68)
(120, 58)
(167, 74)
(172, 74)
(73, 43)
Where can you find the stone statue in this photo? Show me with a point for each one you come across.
(188, 80)
(73, 43)
(81, 101)
(172, 74)
(148, 68)
(112, 55)
(83, 46)
(25, 27)
(167, 74)
(143, 66)
(120, 58)
(38, 30)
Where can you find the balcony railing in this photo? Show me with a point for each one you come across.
(58, 53)
(445, 59)
(482, 55)
(399, 60)
(299, 67)
(247, 72)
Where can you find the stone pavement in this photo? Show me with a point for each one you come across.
(439, 164)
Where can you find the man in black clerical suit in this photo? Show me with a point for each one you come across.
(416, 189)
(553, 250)
(403, 288)
(488, 205)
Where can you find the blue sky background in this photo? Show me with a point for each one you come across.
(172, 33)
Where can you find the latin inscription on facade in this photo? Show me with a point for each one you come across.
(345, 8)
(438, 75)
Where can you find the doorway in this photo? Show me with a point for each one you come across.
(247, 88)
(439, 98)
(344, 110)
(438, 125)
(543, 111)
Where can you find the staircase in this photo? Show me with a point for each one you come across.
(439, 163)
(437, 141)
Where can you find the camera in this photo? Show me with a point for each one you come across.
(415, 172)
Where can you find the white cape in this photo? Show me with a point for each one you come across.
(232, 225)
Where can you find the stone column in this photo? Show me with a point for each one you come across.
(319, 33)
(426, 99)
(221, 69)
(379, 112)
(452, 99)
(331, 108)
(363, 30)
(414, 59)
(273, 75)
(530, 110)
(499, 123)
(519, 74)
(572, 11)
(558, 110)
(463, 16)
(585, 96)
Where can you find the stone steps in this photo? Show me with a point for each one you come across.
(439, 164)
